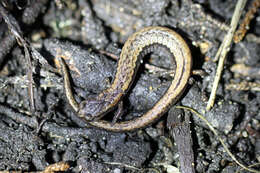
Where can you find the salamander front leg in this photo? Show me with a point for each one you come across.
(119, 112)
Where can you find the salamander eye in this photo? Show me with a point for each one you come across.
(88, 117)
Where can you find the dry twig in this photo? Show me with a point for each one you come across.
(224, 49)
(16, 31)
(244, 26)
(243, 86)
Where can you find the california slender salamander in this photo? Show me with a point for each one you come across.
(94, 108)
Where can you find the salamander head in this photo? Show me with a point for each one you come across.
(91, 109)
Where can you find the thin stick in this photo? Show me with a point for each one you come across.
(244, 26)
(224, 49)
(16, 31)
(123, 165)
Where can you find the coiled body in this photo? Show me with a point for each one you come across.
(135, 48)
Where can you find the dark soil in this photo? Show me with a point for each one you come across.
(83, 30)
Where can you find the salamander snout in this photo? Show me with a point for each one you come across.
(91, 109)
